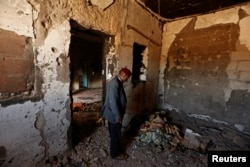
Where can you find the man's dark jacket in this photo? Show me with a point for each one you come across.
(115, 102)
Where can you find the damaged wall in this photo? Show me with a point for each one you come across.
(205, 65)
(142, 95)
(124, 29)
(34, 110)
(35, 125)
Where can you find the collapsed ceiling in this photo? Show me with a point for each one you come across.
(172, 9)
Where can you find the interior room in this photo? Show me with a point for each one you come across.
(188, 94)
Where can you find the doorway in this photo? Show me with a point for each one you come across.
(87, 66)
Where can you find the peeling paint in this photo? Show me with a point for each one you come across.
(112, 62)
(17, 16)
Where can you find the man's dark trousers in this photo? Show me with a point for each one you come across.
(115, 138)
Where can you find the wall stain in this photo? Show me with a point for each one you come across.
(196, 67)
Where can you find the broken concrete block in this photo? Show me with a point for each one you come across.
(239, 127)
(191, 139)
(194, 141)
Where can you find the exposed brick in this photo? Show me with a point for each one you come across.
(11, 44)
(14, 73)
(232, 74)
(240, 56)
(244, 66)
(232, 65)
(244, 76)
(16, 68)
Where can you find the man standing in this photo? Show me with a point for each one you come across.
(113, 111)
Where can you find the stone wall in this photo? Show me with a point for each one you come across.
(205, 65)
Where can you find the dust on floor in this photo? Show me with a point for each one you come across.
(91, 149)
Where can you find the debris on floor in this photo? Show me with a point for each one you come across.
(77, 106)
(85, 121)
(195, 141)
(94, 151)
(159, 141)
(87, 100)
(159, 132)
(90, 95)
(82, 107)
(162, 134)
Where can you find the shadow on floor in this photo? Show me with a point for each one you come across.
(83, 125)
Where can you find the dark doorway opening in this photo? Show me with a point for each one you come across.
(87, 66)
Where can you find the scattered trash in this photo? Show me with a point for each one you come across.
(159, 132)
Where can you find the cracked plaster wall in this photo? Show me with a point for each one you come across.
(145, 30)
(36, 128)
(204, 66)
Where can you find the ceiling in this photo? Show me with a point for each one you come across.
(172, 9)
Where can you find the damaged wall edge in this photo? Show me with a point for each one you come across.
(142, 34)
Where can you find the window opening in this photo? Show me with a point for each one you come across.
(140, 63)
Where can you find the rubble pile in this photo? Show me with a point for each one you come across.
(159, 132)
(90, 152)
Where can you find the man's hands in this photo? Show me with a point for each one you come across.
(120, 120)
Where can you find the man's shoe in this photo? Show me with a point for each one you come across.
(121, 157)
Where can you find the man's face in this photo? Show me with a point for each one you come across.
(124, 77)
